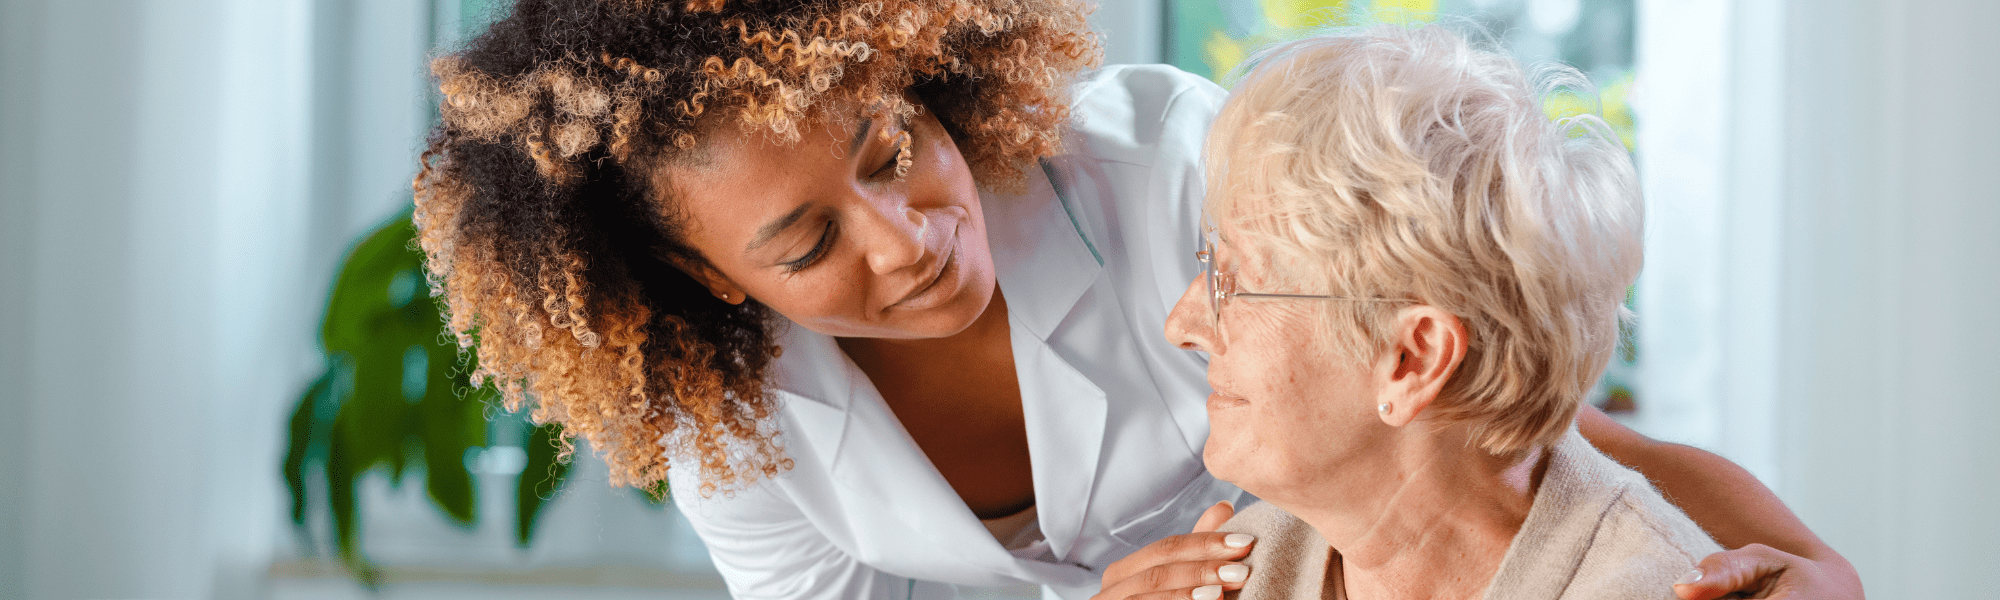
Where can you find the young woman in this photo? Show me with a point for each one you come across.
(877, 285)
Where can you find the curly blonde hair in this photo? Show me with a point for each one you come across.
(551, 242)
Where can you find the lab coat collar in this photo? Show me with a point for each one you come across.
(872, 460)
(1044, 266)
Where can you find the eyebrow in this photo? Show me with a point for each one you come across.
(771, 229)
(860, 135)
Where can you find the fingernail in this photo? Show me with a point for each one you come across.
(1208, 592)
(1233, 573)
(1232, 505)
(1238, 540)
(1693, 575)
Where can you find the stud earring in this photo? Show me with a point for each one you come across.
(1382, 408)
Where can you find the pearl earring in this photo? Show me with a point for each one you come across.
(1382, 408)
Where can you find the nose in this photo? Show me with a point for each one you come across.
(1190, 324)
(897, 239)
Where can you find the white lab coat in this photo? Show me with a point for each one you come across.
(1091, 258)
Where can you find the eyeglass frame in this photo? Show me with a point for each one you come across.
(1212, 277)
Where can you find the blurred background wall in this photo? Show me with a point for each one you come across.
(178, 180)
(162, 265)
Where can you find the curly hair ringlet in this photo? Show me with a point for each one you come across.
(551, 242)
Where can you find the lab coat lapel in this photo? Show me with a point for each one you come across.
(813, 376)
(1045, 266)
(876, 463)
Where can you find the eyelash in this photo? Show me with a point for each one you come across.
(905, 151)
(887, 165)
(898, 161)
(818, 250)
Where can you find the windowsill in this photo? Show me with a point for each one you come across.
(580, 576)
(322, 579)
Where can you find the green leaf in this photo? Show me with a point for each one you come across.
(341, 473)
(540, 480)
(363, 292)
(450, 426)
(376, 418)
(450, 486)
(302, 448)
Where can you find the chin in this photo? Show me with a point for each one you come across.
(1248, 465)
(976, 295)
(956, 316)
(1221, 462)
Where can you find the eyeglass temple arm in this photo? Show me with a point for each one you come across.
(1308, 297)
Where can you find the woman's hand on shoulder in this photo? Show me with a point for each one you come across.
(1197, 565)
(1760, 571)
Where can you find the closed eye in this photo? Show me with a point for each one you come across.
(888, 167)
(900, 153)
(818, 251)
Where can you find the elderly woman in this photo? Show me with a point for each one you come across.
(1414, 278)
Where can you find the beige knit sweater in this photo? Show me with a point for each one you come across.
(1596, 530)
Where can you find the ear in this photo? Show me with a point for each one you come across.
(718, 285)
(1429, 345)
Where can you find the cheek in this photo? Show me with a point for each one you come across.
(1269, 357)
(825, 302)
(940, 171)
(1270, 447)
(1257, 413)
(1293, 398)
(974, 249)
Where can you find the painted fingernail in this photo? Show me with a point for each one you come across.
(1208, 592)
(1693, 575)
(1238, 540)
(1233, 573)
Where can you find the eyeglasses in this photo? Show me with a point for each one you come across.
(1222, 285)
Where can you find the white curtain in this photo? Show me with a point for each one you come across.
(179, 178)
(1823, 265)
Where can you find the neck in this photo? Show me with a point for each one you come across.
(1430, 517)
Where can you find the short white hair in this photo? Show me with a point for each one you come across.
(1408, 163)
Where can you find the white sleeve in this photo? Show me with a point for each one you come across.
(766, 549)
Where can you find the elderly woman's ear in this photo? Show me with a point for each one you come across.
(1429, 345)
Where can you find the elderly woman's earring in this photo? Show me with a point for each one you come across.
(1382, 408)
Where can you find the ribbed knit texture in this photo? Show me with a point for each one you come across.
(1597, 530)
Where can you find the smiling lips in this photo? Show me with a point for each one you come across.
(944, 266)
(1220, 400)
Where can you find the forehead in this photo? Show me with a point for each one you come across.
(1235, 249)
(828, 119)
(727, 147)
(738, 179)
(1242, 176)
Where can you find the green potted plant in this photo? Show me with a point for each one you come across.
(395, 399)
